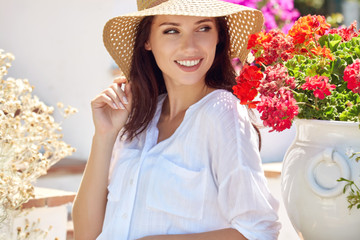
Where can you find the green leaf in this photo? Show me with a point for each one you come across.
(357, 51)
(331, 41)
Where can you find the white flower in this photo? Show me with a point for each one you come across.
(30, 139)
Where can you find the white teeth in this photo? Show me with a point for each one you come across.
(188, 63)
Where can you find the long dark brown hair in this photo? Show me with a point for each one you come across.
(147, 81)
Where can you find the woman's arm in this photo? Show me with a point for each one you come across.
(223, 234)
(89, 206)
(110, 113)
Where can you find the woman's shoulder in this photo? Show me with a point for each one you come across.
(218, 104)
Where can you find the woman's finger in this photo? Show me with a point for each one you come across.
(111, 93)
(120, 80)
(120, 95)
(102, 99)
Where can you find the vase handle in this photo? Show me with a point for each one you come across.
(320, 180)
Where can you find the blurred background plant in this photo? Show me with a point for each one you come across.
(30, 139)
(278, 13)
(329, 8)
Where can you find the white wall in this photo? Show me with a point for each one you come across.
(275, 144)
(58, 46)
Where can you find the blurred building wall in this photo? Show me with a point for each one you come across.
(58, 47)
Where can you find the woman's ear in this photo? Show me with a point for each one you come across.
(147, 45)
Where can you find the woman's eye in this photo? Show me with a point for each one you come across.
(170, 31)
(204, 29)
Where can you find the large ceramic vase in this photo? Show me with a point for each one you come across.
(312, 196)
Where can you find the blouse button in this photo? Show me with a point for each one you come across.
(125, 216)
(131, 182)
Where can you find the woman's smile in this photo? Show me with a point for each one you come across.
(184, 47)
(189, 65)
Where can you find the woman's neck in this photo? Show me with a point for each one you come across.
(180, 98)
(175, 105)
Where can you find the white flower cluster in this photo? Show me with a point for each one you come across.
(30, 139)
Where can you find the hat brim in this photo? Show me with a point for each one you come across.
(119, 32)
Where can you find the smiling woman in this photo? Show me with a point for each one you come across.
(184, 49)
(174, 154)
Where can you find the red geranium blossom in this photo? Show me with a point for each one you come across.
(308, 28)
(276, 77)
(247, 83)
(278, 111)
(320, 85)
(272, 46)
(255, 40)
(323, 51)
(352, 76)
(346, 33)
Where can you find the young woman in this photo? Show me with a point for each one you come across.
(182, 152)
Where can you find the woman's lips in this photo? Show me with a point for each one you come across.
(189, 65)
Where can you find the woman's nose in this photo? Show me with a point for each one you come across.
(188, 43)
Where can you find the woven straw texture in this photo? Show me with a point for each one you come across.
(119, 32)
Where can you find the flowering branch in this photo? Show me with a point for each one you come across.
(30, 139)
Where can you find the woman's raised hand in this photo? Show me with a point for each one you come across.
(111, 108)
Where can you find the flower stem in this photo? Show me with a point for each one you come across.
(307, 104)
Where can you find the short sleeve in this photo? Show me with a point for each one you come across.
(243, 195)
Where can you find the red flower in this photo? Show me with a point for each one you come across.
(325, 52)
(308, 28)
(278, 111)
(346, 33)
(283, 76)
(276, 77)
(320, 85)
(258, 39)
(272, 46)
(247, 83)
(352, 76)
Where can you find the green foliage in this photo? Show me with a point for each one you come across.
(354, 192)
(342, 104)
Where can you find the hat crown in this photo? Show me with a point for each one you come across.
(145, 4)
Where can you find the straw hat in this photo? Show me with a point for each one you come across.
(119, 32)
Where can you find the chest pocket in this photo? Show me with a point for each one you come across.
(176, 190)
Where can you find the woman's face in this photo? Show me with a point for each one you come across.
(183, 46)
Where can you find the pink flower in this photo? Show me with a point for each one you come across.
(278, 111)
(320, 85)
(248, 3)
(352, 76)
(276, 77)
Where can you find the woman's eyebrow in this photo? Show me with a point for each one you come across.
(204, 20)
(177, 24)
(169, 23)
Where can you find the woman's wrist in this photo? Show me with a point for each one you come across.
(105, 137)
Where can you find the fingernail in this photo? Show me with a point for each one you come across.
(115, 106)
(125, 100)
(121, 105)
